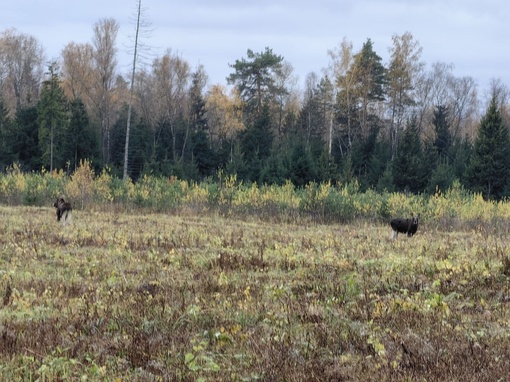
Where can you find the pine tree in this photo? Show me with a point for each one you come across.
(370, 77)
(488, 170)
(254, 77)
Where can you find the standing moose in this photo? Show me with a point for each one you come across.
(64, 210)
(408, 226)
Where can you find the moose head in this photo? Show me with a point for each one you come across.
(64, 209)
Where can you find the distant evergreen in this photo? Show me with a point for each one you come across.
(394, 127)
(488, 170)
(409, 167)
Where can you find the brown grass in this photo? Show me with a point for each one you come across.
(163, 298)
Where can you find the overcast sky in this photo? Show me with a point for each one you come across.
(472, 35)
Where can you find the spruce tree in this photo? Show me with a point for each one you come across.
(5, 158)
(302, 168)
(256, 142)
(380, 164)
(52, 118)
(409, 167)
(488, 170)
(361, 155)
(81, 141)
(443, 138)
(23, 138)
(202, 153)
(461, 150)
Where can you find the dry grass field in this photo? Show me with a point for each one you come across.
(156, 297)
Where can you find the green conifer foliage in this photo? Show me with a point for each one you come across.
(409, 167)
(488, 170)
(52, 119)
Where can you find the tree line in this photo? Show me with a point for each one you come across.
(396, 126)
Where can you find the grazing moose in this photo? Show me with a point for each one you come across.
(64, 210)
(408, 226)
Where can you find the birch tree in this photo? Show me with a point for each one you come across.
(21, 69)
(224, 114)
(285, 95)
(344, 75)
(105, 64)
(403, 71)
(78, 72)
(171, 75)
(439, 87)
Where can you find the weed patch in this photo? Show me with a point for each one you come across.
(159, 297)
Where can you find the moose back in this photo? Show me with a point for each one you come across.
(407, 226)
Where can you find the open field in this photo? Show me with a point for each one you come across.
(118, 297)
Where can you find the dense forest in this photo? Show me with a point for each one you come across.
(396, 126)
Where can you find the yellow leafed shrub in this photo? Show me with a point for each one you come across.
(322, 201)
(80, 189)
(102, 187)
